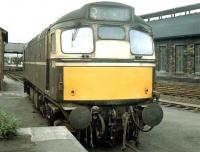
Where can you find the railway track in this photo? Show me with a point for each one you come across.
(177, 89)
(182, 105)
(15, 75)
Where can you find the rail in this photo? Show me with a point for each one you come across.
(15, 75)
(186, 106)
(182, 90)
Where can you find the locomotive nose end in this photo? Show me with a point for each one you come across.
(152, 115)
(80, 118)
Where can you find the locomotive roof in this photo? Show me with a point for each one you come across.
(82, 14)
(83, 11)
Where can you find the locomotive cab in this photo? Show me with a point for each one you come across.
(119, 58)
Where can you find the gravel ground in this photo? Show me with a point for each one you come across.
(14, 101)
(180, 99)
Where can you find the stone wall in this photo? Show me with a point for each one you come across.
(188, 57)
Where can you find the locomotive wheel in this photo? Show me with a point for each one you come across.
(99, 126)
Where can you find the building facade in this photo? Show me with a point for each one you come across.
(13, 55)
(177, 41)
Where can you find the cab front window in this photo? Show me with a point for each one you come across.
(111, 33)
(78, 40)
(141, 43)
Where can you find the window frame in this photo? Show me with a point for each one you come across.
(196, 72)
(70, 28)
(166, 59)
(122, 27)
(153, 47)
(107, 20)
(176, 46)
(51, 48)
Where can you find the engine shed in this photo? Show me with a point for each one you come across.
(13, 56)
(177, 42)
(3, 40)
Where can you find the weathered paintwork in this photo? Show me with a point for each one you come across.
(41, 67)
(109, 82)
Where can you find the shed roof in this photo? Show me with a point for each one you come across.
(172, 11)
(182, 26)
(173, 26)
(14, 48)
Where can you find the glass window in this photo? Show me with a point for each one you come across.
(53, 42)
(110, 13)
(77, 40)
(162, 58)
(179, 57)
(106, 32)
(197, 58)
(141, 43)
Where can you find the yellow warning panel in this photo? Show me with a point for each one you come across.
(107, 83)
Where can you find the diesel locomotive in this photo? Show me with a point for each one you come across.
(93, 70)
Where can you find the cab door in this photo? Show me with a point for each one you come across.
(51, 49)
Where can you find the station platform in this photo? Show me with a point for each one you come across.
(42, 139)
(52, 139)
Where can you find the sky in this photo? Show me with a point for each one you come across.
(24, 19)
